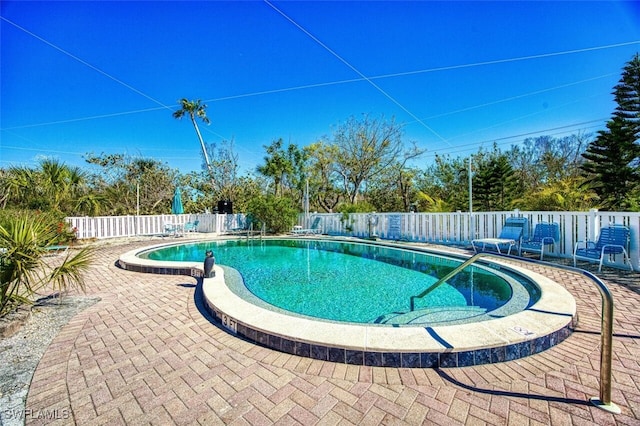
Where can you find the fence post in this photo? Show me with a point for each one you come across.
(593, 218)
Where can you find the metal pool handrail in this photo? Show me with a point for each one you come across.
(437, 284)
(606, 333)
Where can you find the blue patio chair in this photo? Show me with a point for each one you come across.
(515, 228)
(544, 235)
(612, 240)
(314, 229)
(191, 226)
(245, 224)
(56, 250)
(170, 229)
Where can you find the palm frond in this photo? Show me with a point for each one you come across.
(69, 275)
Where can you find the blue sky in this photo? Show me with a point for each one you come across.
(105, 76)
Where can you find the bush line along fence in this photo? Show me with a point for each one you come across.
(457, 228)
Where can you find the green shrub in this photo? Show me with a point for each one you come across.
(361, 207)
(277, 214)
(347, 208)
(24, 238)
(61, 230)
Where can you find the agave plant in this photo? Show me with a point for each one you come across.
(24, 269)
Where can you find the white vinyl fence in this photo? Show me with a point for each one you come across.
(461, 227)
(129, 226)
(443, 228)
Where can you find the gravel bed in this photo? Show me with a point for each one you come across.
(21, 352)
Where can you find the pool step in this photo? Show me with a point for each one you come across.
(431, 315)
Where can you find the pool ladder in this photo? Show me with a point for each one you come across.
(251, 234)
(606, 333)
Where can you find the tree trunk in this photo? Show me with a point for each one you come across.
(204, 149)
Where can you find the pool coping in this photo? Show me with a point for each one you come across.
(548, 322)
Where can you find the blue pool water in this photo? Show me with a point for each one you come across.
(361, 283)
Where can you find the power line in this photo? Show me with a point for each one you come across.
(520, 58)
(524, 95)
(520, 117)
(324, 84)
(83, 62)
(309, 86)
(547, 132)
(72, 120)
(457, 148)
(362, 78)
(100, 71)
(368, 80)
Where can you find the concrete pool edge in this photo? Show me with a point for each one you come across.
(534, 330)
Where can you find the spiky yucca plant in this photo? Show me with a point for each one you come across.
(24, 271)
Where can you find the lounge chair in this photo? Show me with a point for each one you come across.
(511, 235)
(191, 226)
(172, 230)
(56, 250)
(544, 235)
(612, 240)
(314, 229)
(244, 225)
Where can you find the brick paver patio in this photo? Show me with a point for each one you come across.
(147, 353)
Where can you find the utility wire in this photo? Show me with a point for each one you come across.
(83, 62)
(354, 69)
(308, 86)
(520, 58)
(524, 95)
(520, 118)
(93, 117)
(315, 85)
(471, 144)
(104, 73)
(362, 77)
(503, 140)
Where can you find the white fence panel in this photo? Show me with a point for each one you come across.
(127, 226)
(461, 227)
(457, 228)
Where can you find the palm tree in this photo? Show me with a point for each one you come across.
(195, 109)
(53, 186)
(24, 238)
(61, 184)
(19, 186)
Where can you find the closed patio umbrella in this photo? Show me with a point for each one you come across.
(176, 205)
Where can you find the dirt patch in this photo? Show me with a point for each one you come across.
(11, 323)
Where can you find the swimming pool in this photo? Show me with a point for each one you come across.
(343, 281)
(526, 314)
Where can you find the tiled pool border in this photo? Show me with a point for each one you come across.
(443, 357)
(394, 359)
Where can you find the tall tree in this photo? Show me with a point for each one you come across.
(446, 182)
(365, 148)
(627, 96)
(224, 169)
(276, 165)
(127, 183)
(492, 181)
(613, 159)
(609, 167)
(195, 109)
(325, 194)
(543, 160)
(286, 167)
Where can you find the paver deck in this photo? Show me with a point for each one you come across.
(148, 353)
